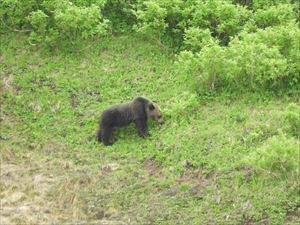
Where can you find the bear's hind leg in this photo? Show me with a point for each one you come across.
(107, 136)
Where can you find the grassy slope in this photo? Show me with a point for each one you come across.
(189, 171)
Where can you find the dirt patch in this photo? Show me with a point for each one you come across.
(8, 85)
(109, 167)
(36, 190)
(293, 217)
(51, 148)
(7, 154)
(22, 195)
(34, 195)
(248, 172)
(196, 177)
(74, 100)
(197, 180)
(152, 168)
(33, 66)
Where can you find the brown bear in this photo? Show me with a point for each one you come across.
(137, 111)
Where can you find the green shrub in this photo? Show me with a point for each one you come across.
(279, 155)
(259, 4)
(274, 15)
(181, 105)
(286, 39)
(227, 45)
(87, 3)
(206, 67)
(57, 20)
(39, 21)
(164, 20)
(13, 13)
(292, 119)
(173, 17)
(254, 66)
(196, 38)
(222, 18)
(121, 13)
(152, 16)
(243, 67)
(237, 45)
(265, 60)
(211, 66)
(65, 21)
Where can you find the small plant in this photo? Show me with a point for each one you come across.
(279, 155)
(292, 120)
(182, 105)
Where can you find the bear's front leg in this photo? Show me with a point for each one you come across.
(142, 128)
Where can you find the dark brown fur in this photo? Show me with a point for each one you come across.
(136, 111)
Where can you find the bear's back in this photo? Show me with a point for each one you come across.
(117, 115)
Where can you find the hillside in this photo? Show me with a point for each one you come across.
(224, 159)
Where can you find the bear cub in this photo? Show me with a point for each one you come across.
(137, 111)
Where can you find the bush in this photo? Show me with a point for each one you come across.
(237, 45)
(263, 4)
(182, 104)
(164, 20)
(206, 68)
(56, 20)
(174, 17)
(13, 13)
(255, 66)
(292, 120)
(62, 20)
(285, 39)
(121, 14)
(152, 16)
(274, 15)
(222, 18)
(265, 60)
(196, 38)
(227, 45)
(279, 155)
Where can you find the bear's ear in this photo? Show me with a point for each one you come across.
(151, 106)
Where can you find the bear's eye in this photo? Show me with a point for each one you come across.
(159, 116)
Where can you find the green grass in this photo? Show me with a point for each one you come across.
(192, 170)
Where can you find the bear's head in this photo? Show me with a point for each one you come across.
(154, 112)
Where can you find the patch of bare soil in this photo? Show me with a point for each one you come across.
(196, 178)
(36, 189)
(152, 168)
(23, 195)
(293, 217)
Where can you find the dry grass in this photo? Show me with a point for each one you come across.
(36, 190)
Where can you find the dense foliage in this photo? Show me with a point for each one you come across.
(222, 44)
(53, 21)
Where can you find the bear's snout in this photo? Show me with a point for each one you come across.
(160, 120)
